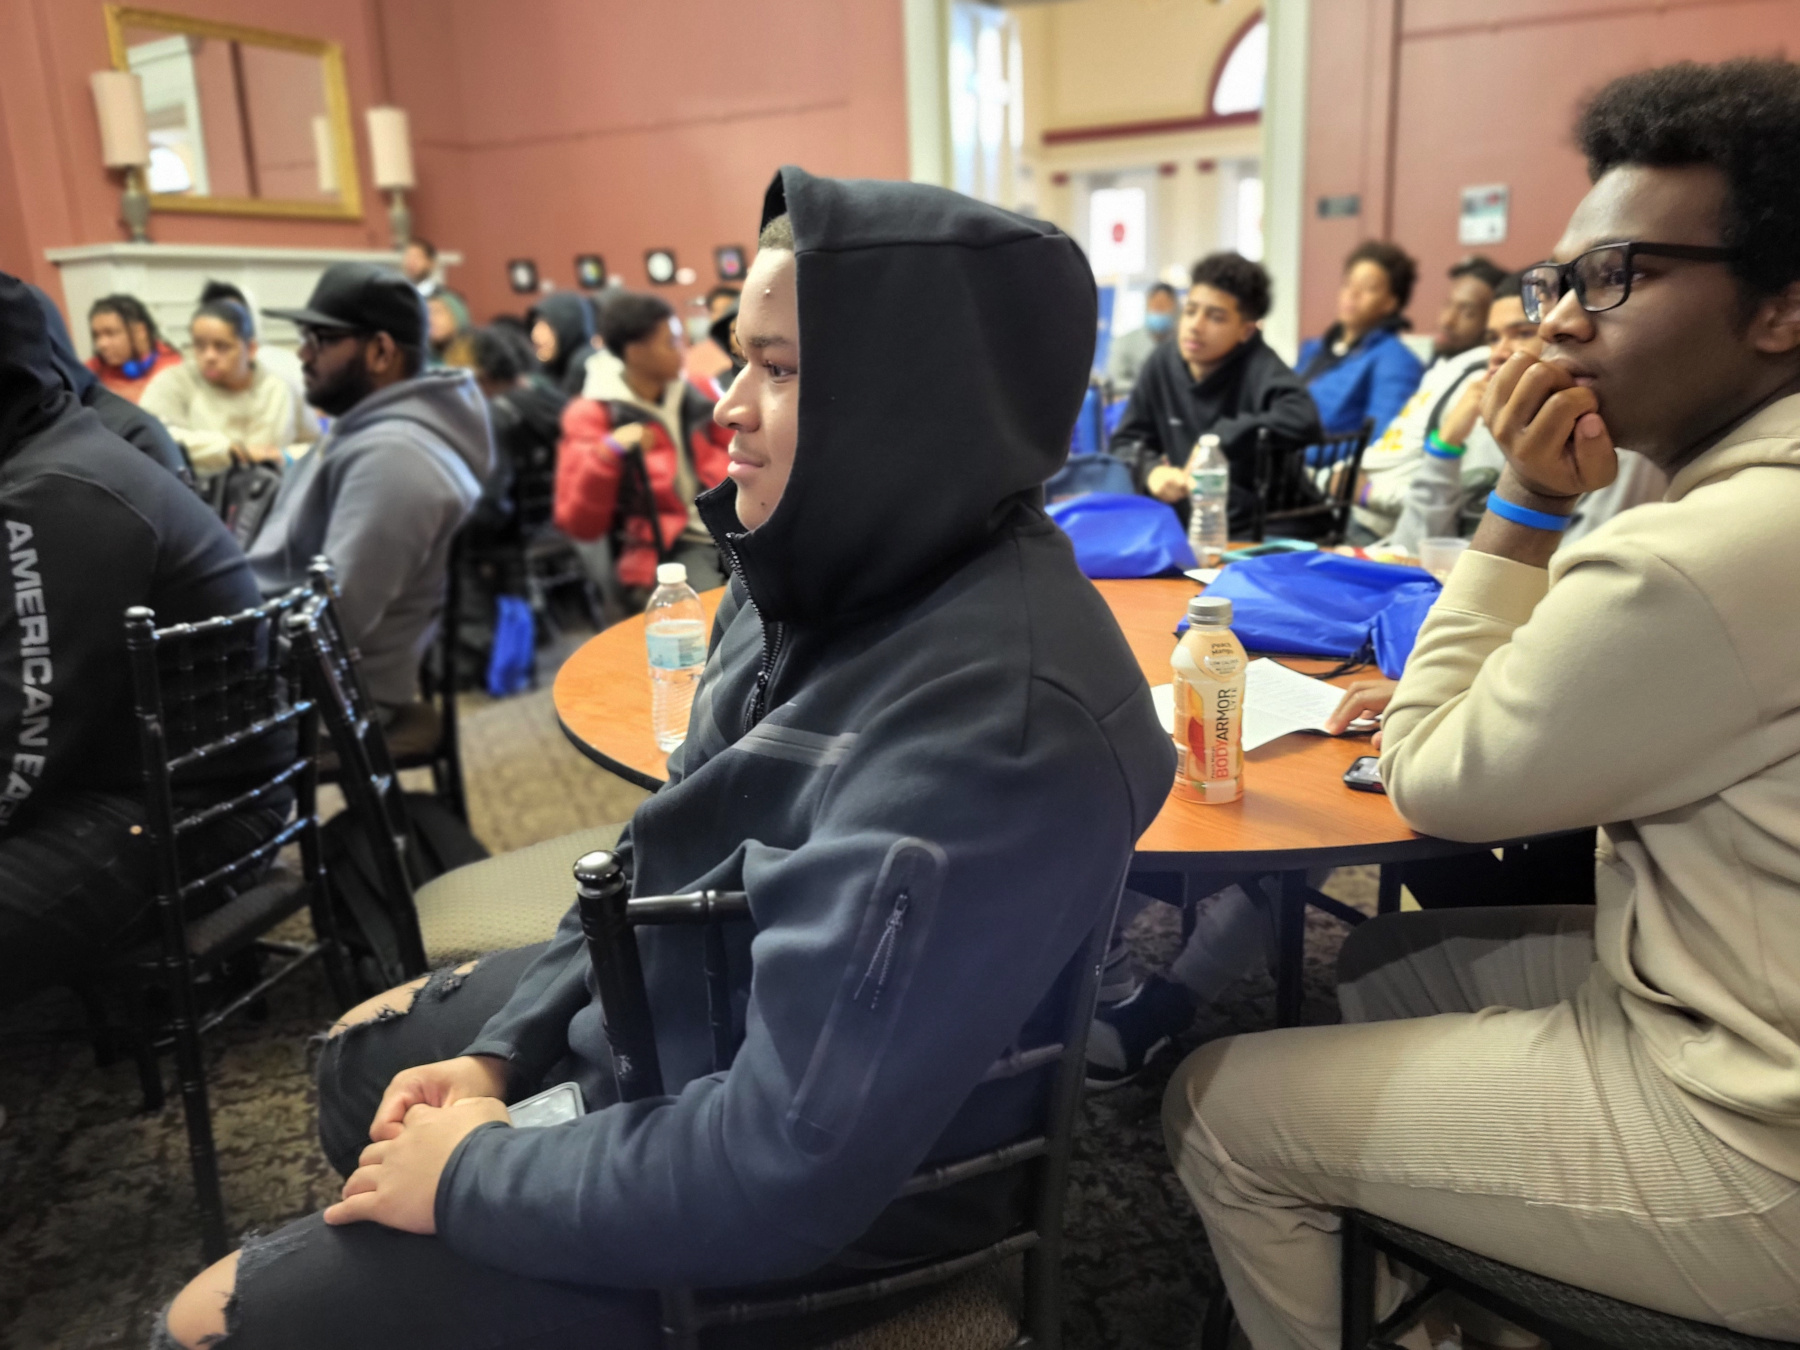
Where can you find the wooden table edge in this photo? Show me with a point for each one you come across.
(636, 777)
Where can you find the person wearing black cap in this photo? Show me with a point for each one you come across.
(922, 747)
(90, 527)
(388, 487)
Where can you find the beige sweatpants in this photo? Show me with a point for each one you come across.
(1523, 1121)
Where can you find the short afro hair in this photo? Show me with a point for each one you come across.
(630, 318)
(778, 234)
(1402, 271)
(502, 353)
(1483, 268)
(1244, 281)
(1743, 118)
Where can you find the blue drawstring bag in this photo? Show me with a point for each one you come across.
(514, 653)
(1123, 535)
(1324, 604)
(1089, 473)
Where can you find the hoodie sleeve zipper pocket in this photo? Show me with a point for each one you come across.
(851, 1052)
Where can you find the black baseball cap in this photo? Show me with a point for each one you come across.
(365, 298)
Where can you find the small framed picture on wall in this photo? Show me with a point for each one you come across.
(590, 271)
(522, 273)
(660, 266)
(729, 259)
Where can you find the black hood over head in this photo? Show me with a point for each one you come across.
(34, 392)
(62, 346)
(945, 347)
(573, 323)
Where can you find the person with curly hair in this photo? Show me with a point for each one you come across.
(1606, 1095)
(1360, 367)
(1218, 376)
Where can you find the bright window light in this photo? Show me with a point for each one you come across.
(1240, 88)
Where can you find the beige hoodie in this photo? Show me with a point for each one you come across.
(1649, 681)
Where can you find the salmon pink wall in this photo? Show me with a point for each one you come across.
(548, 128)
(50, 158)
(541, 128)
(1410, 101)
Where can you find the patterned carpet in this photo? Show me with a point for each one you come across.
(97, 1228)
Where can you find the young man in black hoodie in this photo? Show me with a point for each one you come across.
(1217, 376)
(921, 746)
(90, 527)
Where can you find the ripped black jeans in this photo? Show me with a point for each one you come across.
(308, 1285)
(356, 1066)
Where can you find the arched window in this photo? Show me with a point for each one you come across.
(1238, 82)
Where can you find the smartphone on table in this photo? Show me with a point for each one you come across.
(1365, 775)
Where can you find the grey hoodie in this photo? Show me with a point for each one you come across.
(382, 497)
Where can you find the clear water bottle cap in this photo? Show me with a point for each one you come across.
(1209, 611)
(671, 574)
(1211, 440)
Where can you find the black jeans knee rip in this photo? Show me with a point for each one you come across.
(257, 1254)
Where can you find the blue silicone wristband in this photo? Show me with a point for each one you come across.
(1442, 449)
(1524, 515)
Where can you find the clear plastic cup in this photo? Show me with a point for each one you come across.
(1438, 556)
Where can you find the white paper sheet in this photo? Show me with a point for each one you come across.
(1277, 701)
(1204, 575)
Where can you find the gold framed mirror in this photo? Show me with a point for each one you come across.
(243, 121)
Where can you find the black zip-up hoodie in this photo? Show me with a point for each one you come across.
(1170, 410)
(90, 527)
(923, 748)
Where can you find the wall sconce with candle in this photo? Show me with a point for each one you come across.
(390, 149)
(125, 143)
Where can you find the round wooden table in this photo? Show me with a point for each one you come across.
(1296, 814)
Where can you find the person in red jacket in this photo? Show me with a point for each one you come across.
(637, 449)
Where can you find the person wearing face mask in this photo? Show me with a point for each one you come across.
(921, 747)
(1130, 350)
(1360, 368)
(221, 404)
(1218, 376)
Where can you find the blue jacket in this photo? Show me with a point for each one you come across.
(1374, 379)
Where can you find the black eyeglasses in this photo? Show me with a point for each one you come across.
(321, 338)
(1601, 277)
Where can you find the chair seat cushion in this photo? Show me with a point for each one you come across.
(977, 1312)
(509, 901)
(235, 923)
(1608, 1321)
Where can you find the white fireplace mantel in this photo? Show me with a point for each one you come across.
(168, 278)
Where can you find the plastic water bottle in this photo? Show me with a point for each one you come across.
(1209, 501)
(675, 631)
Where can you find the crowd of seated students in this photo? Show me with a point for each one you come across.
(1601, 1089)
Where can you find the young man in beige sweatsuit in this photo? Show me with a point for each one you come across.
(1608, 1096)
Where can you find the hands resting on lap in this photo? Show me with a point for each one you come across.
(424, 1114)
